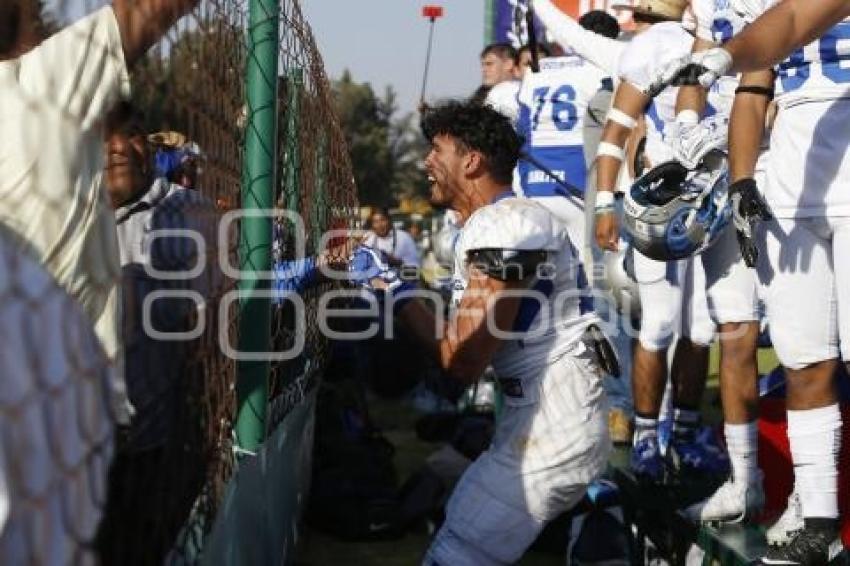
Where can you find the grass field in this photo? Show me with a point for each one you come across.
(396, 420)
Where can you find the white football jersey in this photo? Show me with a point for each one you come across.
(817, 71)
(553, 106)
(649, 52)
(503, 99)
(719, 21)
(809, 165)
(558, 308)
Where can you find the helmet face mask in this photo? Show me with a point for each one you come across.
(673, 213)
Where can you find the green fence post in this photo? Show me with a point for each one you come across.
(258, 184)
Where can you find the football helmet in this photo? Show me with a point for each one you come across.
(673, 212)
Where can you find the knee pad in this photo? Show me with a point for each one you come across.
(655, 333)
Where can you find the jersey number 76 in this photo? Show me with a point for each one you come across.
(557, 107)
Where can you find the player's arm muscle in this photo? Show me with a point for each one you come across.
(785, 27)
(746, 126)
(143, 22)
(468, 344)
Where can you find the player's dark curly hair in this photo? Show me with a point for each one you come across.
(479, 128)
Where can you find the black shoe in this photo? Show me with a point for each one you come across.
(809, 547)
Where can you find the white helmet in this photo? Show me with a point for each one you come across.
(673, 212)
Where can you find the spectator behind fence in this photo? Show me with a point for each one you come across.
(146, 202)
(399, 246)
(497, 65)
(54, 96)
(143, 481)
(177, 158)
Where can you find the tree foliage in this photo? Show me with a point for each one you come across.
(386, 150)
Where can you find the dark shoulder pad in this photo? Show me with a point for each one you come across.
(507, 265)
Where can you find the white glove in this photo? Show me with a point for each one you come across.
(690, 142)
(703, 68)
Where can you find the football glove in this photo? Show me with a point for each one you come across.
(691, 142)
(748, 209)
(295, 275)
(366, 265)
(702, 68)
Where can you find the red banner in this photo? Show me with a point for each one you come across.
(576, 8)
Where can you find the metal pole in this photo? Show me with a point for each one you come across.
(427, 62)
(258, 184)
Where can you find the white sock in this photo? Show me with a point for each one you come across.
(815, 437)
(742, 444)
(644, 428)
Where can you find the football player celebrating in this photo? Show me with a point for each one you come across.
(517, 305)
(804, 270)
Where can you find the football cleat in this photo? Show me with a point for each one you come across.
(789, 524)
(809, 547)
(731, 503)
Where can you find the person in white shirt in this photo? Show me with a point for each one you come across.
(399, 246)
(54, 96)
(55, 382)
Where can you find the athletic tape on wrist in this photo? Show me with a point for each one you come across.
(604, 198)
(619, 117)
(689, 117)
(611, 150)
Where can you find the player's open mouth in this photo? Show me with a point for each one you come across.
(117, 160)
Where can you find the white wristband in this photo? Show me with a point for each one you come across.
(611, 150)
(689, 117)
(604, 198)
(619, 117)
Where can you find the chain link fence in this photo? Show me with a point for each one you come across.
(171, 456)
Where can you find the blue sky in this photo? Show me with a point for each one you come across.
(383, 42)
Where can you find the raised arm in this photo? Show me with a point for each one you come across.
(143, 22)
(782, 29)
(602, 51)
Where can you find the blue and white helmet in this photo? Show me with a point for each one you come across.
(673, 212)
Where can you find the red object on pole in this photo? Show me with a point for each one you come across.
(432, 12)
